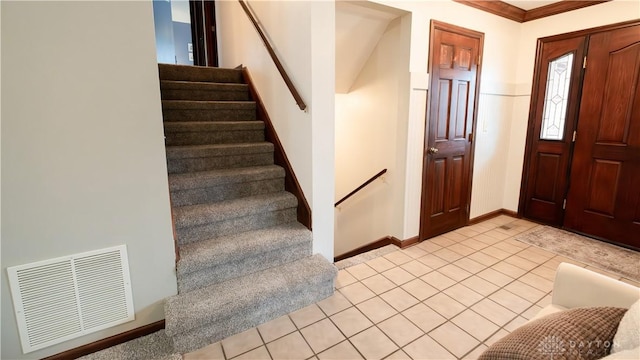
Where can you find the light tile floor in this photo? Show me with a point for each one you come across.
(446, 298)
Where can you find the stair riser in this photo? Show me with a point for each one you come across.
(213, 137)
(235, 225)
(185, 73)
(209, 114)
(204, 95)
(226, 192)
(242, 267)
(178, 166)
(269, 309)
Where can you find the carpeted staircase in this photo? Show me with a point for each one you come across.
(243, 257)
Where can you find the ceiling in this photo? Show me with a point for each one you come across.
(528, 4)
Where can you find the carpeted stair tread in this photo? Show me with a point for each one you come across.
(207, 105)
(199, 73)
(192, 110)
(196, 151)
(242, 266)
(241, 296)
(301, 296)
(202, 254)
(225, 184)
(212, 132)
(199, 85)
(203, 179)
(196, 126)
(195, 158)
(194, 215)
(190, 90)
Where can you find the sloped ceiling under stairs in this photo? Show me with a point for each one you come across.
(359, 27)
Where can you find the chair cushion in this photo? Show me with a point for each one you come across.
(628, 335)
(580, 333)
(631, 354)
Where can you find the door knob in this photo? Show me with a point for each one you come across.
(433, 150)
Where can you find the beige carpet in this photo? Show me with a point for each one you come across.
(156, 346)
(364, 257)
(581, 248)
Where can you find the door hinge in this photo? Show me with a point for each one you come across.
(584, 62)
(564, 204)
(574, 136)
(479, 59)
(470, 137)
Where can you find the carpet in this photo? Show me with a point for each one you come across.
(156, 346)
(581, 248)
(244, 258)
(364, 257)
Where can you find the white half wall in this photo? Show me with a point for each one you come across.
(299, 33)
(83, 159)
(322, 108)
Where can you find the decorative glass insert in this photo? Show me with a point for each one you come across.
(556, 98)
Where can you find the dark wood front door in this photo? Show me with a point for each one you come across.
(583, 174)
(552, 123)
(604, 197)
(446, 186)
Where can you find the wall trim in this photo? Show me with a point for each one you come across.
(491, 215)
(402, 244)
(387, 240)
(108, 342)
(517, 14)
(559, 8)
(499, 8)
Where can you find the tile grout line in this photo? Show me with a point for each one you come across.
(458, 239)
(481, 342)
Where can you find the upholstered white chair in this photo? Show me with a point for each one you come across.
(575, 286)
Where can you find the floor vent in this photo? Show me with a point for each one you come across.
(60, 299)
(506, 227)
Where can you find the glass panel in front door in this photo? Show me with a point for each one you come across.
(556, 98)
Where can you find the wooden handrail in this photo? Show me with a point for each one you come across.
(274, 57)
(360, 187)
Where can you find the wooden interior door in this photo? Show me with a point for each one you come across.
(552, 122)
(604, 196)
(446, 186)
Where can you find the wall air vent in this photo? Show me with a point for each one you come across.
(60, 299)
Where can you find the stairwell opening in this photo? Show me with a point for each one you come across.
(372, 110)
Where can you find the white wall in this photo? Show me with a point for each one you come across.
(83, 164)
(598, 15)
(302, 34)
(369, 135)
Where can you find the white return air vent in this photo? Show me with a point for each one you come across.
(60, 299)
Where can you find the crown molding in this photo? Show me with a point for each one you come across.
(514, 13)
